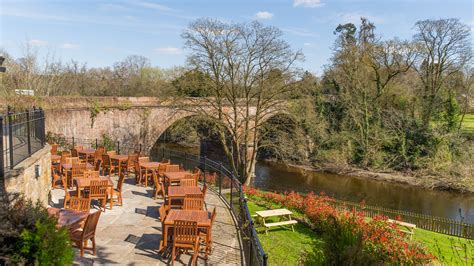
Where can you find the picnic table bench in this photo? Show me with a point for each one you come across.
(282, 213)
(409, 228)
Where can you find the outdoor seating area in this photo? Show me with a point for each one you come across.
(128, 208)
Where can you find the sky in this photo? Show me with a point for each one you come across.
(101, 32)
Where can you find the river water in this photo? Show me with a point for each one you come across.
(276, 176)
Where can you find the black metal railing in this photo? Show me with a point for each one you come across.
(23, 133)
(218, 178)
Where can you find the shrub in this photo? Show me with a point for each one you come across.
(28, 235)
(350, 238)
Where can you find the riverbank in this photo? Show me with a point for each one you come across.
(459, 185)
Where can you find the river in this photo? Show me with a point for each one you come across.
(277, 176)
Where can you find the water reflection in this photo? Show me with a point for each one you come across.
(279, 177)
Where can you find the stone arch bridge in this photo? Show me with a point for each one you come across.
(127, 119)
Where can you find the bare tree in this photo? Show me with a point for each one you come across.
(251, 69)
(444, 48)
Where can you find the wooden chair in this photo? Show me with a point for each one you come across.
(130, 163)
(68, 194)
(193, 202)
(72, 160)
(162, 211)
(172, 168)
(97, 156)
(66, 153)
(79, 147)
(77, 171)
(144, 173)
(187, 182)
(111, 152)
(204, 191)
(98, 191)
(185, 237)
(74, 152)
(117, 192)
(165, 161)
(79, 204)
(206, 234)
(158, 185)
(97, 165)
(91, 174)
(107, 164)
(80, 237)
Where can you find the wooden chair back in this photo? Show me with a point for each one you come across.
(91, 225)
(54, 149)
(66, 153)
(172, 168)
(111, 152)
(187, 182)
(204, 191)
(98, 189)
(77, 170)
(162, 211)
(74, 152)
(120, 182)
(98, 154)
(79, 147)
(213, 216)
(79, 204)
(193, 202)
(106, 160)
(185, 232)
(166, 161)
(162, 168)
(64, 156)
(132, 158)
(97, 165)
(72, 160)
(91, 174)
(143, 159)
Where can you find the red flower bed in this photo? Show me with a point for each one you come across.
(381, 240)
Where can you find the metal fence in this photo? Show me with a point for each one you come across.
(23, 133)
(432, 223)
(218, 178)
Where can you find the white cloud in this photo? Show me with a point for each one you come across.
(150, 5)
(168, 50)
(307, 44)
(36, 42)
(68, 45)
(354, 17)
(263, 15)
(307, 3)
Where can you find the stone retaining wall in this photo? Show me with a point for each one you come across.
(22, 178)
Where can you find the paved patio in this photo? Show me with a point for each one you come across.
(130, 234)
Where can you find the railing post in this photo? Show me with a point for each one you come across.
(140, 148)
(2, 163)
(28, 130)
(230, 203)
(96, 143)
(185, 160)
(43, 127)
(10, 136)
(205, 166)
(250, 244)
(220, 178)
(73, 142)
(118, 147)
(162, 153)
(265, 259)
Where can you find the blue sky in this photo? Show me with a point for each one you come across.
(102, 32)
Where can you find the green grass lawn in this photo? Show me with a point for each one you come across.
(449, 249)
(283, 246)
(468, 124)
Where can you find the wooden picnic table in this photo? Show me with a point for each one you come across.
(67, 218)
(275, 213)
(119, 158)
(203, 219)
(179, 192)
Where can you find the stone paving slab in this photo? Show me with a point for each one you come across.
(138, 220)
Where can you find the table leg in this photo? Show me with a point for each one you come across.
(111, 197)
(165, 237)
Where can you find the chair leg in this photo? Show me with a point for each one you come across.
(93, 245)
(82, 248)
(172, 256)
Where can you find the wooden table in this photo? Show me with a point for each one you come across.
(119, 159)
(68, 218)
(150, 165)
(203, 219)
(55, 158)
(176, 176)
(274, 213)
(87, 153)
(68, 166)
(179, 192)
